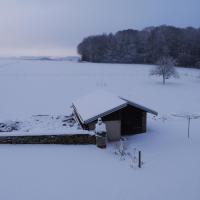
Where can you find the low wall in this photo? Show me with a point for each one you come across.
(49, 139)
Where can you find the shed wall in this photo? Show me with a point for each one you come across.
(133, 120)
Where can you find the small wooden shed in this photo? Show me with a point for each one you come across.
(121, 116)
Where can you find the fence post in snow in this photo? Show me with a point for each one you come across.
(189, 126)
(140, 159)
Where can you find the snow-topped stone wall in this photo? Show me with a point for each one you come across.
(49, 139)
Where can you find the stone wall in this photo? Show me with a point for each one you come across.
(49, 139)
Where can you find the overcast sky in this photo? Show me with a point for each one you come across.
(55, 27)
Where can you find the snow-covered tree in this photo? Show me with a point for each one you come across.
(165, 67)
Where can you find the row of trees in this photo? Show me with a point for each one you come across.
(145, 46)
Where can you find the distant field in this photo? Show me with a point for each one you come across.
(49, 87)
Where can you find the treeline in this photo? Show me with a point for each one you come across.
(145, 46)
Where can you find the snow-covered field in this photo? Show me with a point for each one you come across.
(171, 161)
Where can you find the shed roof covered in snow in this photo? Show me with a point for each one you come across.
(101, 103)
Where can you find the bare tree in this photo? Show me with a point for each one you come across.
(165, 68)
(198, 67)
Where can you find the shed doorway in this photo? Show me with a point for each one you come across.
(113, 130)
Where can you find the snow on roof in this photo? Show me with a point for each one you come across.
(140, 106)
(96, 103)
(101, 103)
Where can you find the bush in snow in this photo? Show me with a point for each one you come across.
(165, 68)
(9, 126)
(101, 84)
(133, 158)
(121, 149)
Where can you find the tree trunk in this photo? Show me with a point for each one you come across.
(163, 79)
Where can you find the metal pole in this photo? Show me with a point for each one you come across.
(140, 160)
(189, 127)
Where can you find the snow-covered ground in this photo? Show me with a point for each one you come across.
(42, 125)
(49, 87)
(171, 161)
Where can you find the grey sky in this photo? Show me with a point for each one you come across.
(55, 27)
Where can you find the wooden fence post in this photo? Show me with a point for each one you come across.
(140, 160)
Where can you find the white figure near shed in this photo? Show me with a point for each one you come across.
(101, 133)
(100, 128)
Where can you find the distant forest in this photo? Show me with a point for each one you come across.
(145, 46)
